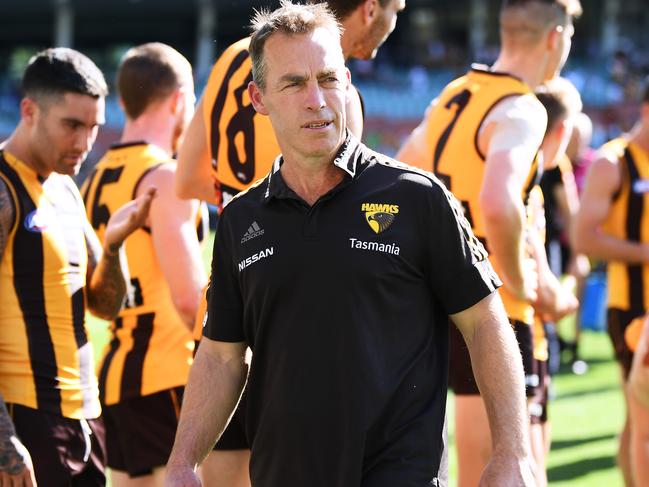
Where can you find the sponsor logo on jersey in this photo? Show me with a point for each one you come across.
(37, 221)
(255, 258)
(379, 216)
(641, 186)
(388, 248)
(253, 231)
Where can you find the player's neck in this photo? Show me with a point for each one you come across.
(639, 135)
(523, 66)
(18, 146)
(311, 179)
(152, 129)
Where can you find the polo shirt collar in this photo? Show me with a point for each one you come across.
(346, 159)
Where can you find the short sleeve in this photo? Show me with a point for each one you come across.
(460, 272)
(224, 304)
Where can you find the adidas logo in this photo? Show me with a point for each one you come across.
(253, 231)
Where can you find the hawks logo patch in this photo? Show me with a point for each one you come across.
(379, 216)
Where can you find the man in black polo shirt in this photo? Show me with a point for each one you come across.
(339, 270)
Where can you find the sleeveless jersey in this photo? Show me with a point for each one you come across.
(241, 142)
(151, 348)
(47, 360)
(628, 219)
(452, 125)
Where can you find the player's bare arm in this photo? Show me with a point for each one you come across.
(15, 463)
(173, 230)
(7, 215)
(602, 182)
(216, 380)
(510, 141)
(417, 148)
(194, 178)
(498, 369)
(105, 280)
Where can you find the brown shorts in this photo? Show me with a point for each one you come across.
(461, 378)
(617, 321)
(65, 451)
(140, 431)
(538, 403)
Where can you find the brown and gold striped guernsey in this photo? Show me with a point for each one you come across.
(151, 349)
(452, 125)
(241, 142)
(47, 360)
(628, 219)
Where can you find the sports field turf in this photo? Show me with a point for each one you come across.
(586, 415)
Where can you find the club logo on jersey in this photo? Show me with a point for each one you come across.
(254, 258)
(253, 231)
(37, 220)
(379, 216)
(641, 186)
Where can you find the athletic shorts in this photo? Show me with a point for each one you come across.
(140, 431)
(618, 320)
(538, 403)
(461, 378)
(234, 436)
(64, 451)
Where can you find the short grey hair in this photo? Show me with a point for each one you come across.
(289, 19)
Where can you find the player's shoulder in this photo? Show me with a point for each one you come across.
(613, 150)
(232, 52)
(405, 177)
(251, 197)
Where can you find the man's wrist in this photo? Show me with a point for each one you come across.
(112, 250)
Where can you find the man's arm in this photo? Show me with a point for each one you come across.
(15, 463)
(16, 468)
(510, 139)
(173, 230)
(602, 182)
(7, 216)
(194, 178)
(216, 380)
(105, 286)
(498, 370)
(417, 150)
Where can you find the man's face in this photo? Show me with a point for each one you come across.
(559, 55)
(305, 94)
(381, 27)
(63, 130)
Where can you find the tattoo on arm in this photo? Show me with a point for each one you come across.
(106, 287)
(10, 459)
(7, 215)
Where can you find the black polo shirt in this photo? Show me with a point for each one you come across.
(344, 304)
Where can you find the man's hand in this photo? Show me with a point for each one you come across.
(554, 300)
(126, 220)
(16, 468)
(177, 476)
(508, 471)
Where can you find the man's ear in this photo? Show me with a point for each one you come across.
(28, 110)
(644, 111)
(553, 37)
(256, 98)
(177, 101)
(370, 8)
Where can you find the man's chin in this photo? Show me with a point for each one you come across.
(69, 169)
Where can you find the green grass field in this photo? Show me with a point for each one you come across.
(586, 414)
